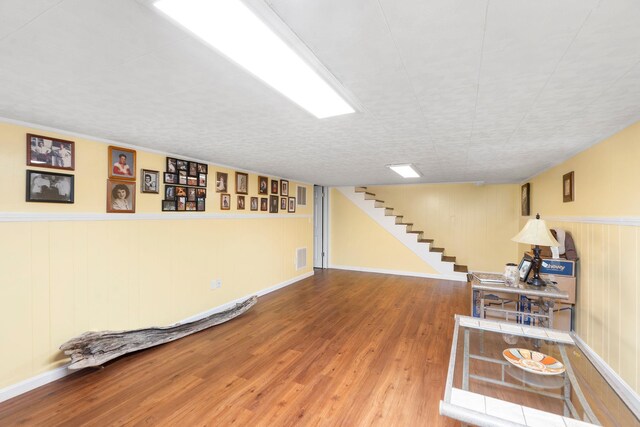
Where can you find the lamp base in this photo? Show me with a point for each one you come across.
(536, 281)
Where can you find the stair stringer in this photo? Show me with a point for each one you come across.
(399, 231)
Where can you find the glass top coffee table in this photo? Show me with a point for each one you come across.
(506, 374)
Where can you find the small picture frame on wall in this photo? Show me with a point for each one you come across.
(182, 177)
(273, 204)
(567, 187)
(222, 181)
(274, 186)
(181, 203)
(525, 198)
(121, 196)
(49, 187)
(263, 185)
(240, 205)
(168, 205)
(182, 165)
(193, 168)
(524, 268)
(292, 205)
(200, 204)
(192, 180)
(46, 152)
(254, 203)
(201, 193)
(242, 183)
(170, 178)
(264, 204)
(202, 180)
(283, 203)
(172, 165)
(122, 163)
(149, 182)
(203, 168)
(191, 194)
(225, 202)
(284, 187)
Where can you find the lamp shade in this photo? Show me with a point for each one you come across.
(535, 232)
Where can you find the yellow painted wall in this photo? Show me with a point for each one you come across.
(61, 278)
(473, 223)
(356, 240)
(606, 185)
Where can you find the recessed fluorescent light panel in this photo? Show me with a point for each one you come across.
(235, 31)
(405, 171)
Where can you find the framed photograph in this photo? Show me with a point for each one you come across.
(121, 196)
(170, 178)
(169, 192)
(181, 191)
(567, 187)
(168, 205)
(283, 203)
(273, 204)
(240, 205)
(524, 268)
(122, 163)
(190, 206)
(254, 203)
(182, 177)
(222, 181)
(172, 165)
(49, 187)
(54, 153)
(263, 185)
(193, 168)
(225, 202)
(192, 180)
(274, 186)
(201, 193)
(202, 180)
(181, 203)
(203, 168)
(182, 165)
(191, 194)
(264, 204)
(292, 205)
(200, 204)
(284, 187)
(149, 182)
(242, 183)
(525, 197)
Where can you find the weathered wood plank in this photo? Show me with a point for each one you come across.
(96, 348)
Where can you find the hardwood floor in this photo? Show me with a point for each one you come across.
(340, 348)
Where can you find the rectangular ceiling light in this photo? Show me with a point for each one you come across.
(235, 31)
(405, 171)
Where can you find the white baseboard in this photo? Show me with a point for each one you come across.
(458, 277)
(29, 384)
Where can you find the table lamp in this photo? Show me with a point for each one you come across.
(535, 232)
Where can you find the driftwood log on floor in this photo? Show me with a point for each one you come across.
(95, 348)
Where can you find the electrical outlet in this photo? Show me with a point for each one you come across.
(215, 284)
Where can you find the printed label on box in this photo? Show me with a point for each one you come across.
(557, 266)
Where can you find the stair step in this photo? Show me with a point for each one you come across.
(388, 211)
(460, 268)
(436, 250)
(425, 240)
(404, 223)
(415, 232)
(449, 259)
(361, 189)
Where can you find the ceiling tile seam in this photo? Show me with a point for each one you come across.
(31, 20)
(406, 72)
(555, 68)
(475, 107)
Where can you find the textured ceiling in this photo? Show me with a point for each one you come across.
(468, 90)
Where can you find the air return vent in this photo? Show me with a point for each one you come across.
(302, 196)
(301, 258)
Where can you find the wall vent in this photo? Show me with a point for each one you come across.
(301, 258)
(302, 196)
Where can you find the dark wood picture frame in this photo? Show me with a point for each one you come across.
(222, 182)
(193, 168)
(52, 153)
(118, 169)
(203, 168)
(264, 204)
(49, 187)
(225, 201)
(273, 204)
(525, 199)
(201, 204)
(168, 205)
(240, 203)
(274, 186)
(292, 205)
(283, 203)
(154, 185)
(202, 179)
(263, 185)
(567, 187)
(172, 165)
(254, 204)
(117, 204)
(242, 183)
(181, 203)
(284, 187)
(170, 178)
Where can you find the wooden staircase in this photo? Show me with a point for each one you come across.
(399, 220)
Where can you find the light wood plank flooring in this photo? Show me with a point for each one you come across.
(338, 349)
